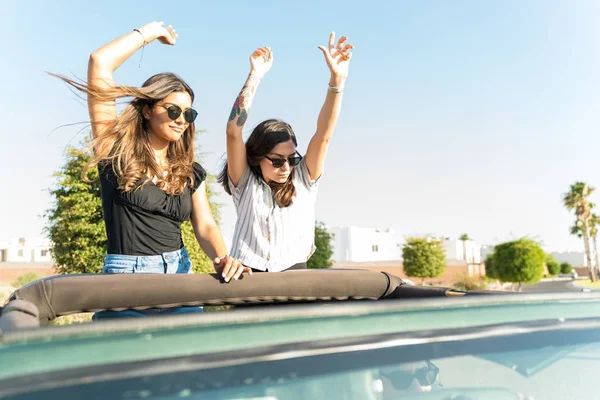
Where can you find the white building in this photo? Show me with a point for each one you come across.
(354, 244)
(462, 250)
(26, 250)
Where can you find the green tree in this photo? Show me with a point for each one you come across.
(26, 278)
(490, 271)
(577, 230)
(577, 200)
(552, 265)
(520, 261)
(322, 257)
(566, 268)
(75, 224)
(423, 258)
(594, 223)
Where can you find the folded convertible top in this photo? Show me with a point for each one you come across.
(68, 294)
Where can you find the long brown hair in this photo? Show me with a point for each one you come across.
(124, 142)
(263, 138)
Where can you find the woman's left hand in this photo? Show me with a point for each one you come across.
(338, 56)
(230, 267)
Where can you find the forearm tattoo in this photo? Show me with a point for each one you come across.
(244, 100)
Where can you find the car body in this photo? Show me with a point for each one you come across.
(298, 335)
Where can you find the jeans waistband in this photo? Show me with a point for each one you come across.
(159, 257)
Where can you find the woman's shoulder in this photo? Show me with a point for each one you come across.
(301, 176)
(199, 174)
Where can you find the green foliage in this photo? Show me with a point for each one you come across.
(201, 263)
(576, 199)
(552, 265)
(519, 261)
(75, 224)
(82, 318)
(464, 237)
(566, 268)
(321, 258)
(24, 279)
(490, 271)
(423, 258)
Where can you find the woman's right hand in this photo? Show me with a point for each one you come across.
(230, 267)
(157, 30)
(261, 61)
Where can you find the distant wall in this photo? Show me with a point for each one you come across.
(11, 271)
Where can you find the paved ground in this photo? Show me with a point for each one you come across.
(553, 286)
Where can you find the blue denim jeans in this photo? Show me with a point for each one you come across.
(174, 262)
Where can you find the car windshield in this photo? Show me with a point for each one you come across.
(524, 361)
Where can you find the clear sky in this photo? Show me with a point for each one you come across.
(458, 116)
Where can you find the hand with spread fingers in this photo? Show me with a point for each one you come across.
(230, 267)
(261, 61)
(338, 56)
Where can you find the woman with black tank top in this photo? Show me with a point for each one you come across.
(150, 183)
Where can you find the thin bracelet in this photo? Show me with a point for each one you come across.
(143, 45)
(335, 89)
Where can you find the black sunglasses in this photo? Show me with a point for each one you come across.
(426, 376)
(278, 162)
(174, 112)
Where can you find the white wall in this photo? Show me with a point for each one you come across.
(473, 252)
(26, 250)
(18, 254)
(41, 254)
(341, 243)
(453, 250)
(456, 249)
(354, 244)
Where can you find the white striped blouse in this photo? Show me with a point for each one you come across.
(267, 237)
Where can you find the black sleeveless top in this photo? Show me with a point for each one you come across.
(145, 221)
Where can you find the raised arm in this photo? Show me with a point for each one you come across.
(104, 61)
(260, 63)
(338, 59)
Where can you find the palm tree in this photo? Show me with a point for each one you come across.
(577, 230)
(594, 222)
(464, 237)
(577, 200)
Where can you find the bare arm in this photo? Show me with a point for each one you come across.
(337, 59)
(260, 63)
(210, 239)
(104, 61)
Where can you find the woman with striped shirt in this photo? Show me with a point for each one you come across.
(274, 188)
